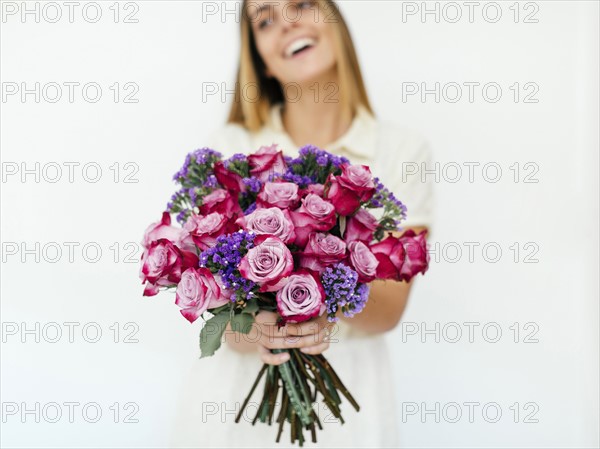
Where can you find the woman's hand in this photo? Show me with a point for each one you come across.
(312, 337)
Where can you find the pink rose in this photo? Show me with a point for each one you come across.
(390, 254)
(221, 201)
(301, 298)
(162, 264)
(344, 200)
(315, 214)
(272, 221)
(162, 230)
(363, 261)
(228, 179)
(322, 250)
(204, 230)
(317, 189)
(360, 226)
(359, 179)
(417, 256)
(198, 292)
(401, 258)
(265, 162)
(267, 263)
(348, 190)
(280, 194)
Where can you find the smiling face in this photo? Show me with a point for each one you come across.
(293, 39)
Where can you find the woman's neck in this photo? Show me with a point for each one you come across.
(312, 113)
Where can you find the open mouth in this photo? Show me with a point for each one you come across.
(299, 46)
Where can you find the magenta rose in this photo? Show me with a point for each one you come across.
(279, 194)
(198, 292)
(301, 298)
(204, 230)
(359, 179)
(390, 254)
(402, 258)
(267, 263)
(314, 214)
(272, 221)
(344, 200)
(363, 261)
(321, 251)
(162, 230)
(348, 190)
(267, 161)
(228, 179)
(360, 226)
(417, 256)
(220, 200)
(162, 265)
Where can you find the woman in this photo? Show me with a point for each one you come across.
(301, 57)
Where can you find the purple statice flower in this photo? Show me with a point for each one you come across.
(250, 209)
(197, 157)
(302, 181)
(358, 300)
(253, 183)
(182, 216)
(192, 194)
(203, 155)
(178, 201)
(313, 165)
(343, 291)
(224, 259)
(237, 157)
(211, 181)
(382, 197)
(322, 157)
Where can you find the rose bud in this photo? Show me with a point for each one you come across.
(198, 292)
(267, 161)
(267, 262)
(301, 298)
(272, 221)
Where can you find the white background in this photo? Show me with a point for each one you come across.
(169, 54)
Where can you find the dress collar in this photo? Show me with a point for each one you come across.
(358, 140)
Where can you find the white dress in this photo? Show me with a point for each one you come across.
(215, 387)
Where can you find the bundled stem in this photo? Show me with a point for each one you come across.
(304, 377)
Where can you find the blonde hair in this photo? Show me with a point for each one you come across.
(254, 113)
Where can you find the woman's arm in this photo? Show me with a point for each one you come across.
(386, 303)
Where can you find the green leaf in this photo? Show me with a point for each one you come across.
(212, 333)
(242, 322)
(251, 307)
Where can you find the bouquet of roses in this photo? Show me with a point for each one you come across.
(292, 236)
